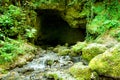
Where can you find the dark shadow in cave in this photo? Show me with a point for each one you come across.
(53, 30)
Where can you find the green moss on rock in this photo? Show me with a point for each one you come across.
(62, 50)
(92, 50)
(80, 71)
(115, 32)
(107, 64)
(58, 75)
(77, 48)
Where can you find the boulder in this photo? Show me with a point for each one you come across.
(80, 71)
(92, 50)
(107, 64)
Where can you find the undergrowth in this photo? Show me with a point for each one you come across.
(107, 17)
(14, 30)
(9, 50)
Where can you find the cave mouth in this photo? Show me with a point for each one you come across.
(53, 30)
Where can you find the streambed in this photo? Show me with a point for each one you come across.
(46, 65)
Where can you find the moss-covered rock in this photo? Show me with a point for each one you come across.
(77, 48)
(72, 11)
(74, 17)
(59, 75)
(62, 50)
(107, 64)
(80, 71)
(115, 33)
(92, 50)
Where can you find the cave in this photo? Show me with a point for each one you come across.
(54, 30)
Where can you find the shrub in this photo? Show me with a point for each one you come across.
(9, 50)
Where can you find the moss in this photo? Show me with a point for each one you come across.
(80, 72)
(58, 75)
(78, 47)
(75, 17)
(49, 62)
(54, 76)
(62, 50)
(107, 64)
(115, 32)
(92, 50)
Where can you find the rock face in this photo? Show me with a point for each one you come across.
(72, 11)
(54, 30)
(61, 23)
(107, 64)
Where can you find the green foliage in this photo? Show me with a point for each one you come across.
(107, 24)
(15, 12)
(30, 33)
(13, 23)
(107, 17)
(113, 9)
(5, 21)
(9, 20)
(100, 24)
(9, 50)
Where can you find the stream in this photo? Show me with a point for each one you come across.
(46, 65)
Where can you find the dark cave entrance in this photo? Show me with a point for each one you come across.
(53, 30)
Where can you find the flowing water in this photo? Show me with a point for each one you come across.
(45, 66)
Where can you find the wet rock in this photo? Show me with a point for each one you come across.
(2, 75)
(76, 59)
(107, 64)
(12, 76)
(80, 71)
(23, 59)
(48, 63)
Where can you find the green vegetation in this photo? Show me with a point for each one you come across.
(78, 47)
(92, 50)
(107, 18)
(107, 63)
(62, 50)
(9, 50)
(10, 20)
(80, 72)
(12, 23)
(18, 27)
(14, 31)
